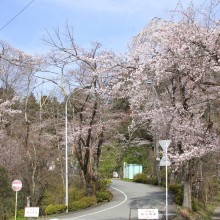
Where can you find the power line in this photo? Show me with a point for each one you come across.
(16, 15)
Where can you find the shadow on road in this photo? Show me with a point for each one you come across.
(152, 200)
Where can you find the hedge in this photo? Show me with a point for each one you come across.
(83, 203)
(103, 196)
(54, 209)
(143, 178)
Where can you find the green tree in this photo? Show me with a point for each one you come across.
(6, 194)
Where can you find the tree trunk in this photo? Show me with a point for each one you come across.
(187, 199)
(90, 185)
(120, 171)
(89, 172)
(152, 159)
(120, 167)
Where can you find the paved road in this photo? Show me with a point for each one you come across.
(216, 214)
(127, 195)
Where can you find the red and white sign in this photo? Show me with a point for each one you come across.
(16, 185)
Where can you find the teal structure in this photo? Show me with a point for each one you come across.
(130, 170)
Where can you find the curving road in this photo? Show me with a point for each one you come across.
(128, 197)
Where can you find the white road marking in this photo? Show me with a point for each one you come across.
(103, 209)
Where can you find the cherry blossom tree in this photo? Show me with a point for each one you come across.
(181, 59)
(6, 112)
(82, 74)
(23, 138)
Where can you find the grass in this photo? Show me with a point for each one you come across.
(127, 180)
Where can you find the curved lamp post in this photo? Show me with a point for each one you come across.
(66, 147)
(66, 152)
(66, 155)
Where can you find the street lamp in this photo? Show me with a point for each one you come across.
(66, 147)
(66, 152)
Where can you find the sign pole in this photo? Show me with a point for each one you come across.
(165, 144)
(16, 186)
(16, 203)
(166, 185)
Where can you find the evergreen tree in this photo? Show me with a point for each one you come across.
(6, 194)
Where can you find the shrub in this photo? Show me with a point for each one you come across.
(54, 209)
(102, 196)
(75, 205)
(195, 205)
(143, 178)
(152, 181)
(89, 201)
(50, 197)
(177, 190)
(42, 210)
(198, 205)
(76, 194)
(20, 213)
(103, 183)
(83, 203)
(140, 178)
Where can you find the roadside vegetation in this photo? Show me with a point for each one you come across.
(52, 203)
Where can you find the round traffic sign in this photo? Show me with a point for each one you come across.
(16, 185)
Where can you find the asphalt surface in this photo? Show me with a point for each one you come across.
(128, 198)
(216, 214)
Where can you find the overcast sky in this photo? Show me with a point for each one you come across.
(111, 22)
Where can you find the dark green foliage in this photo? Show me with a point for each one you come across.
(6, 194)
(143, 178)
(54, 209)
(108, 162)
(32, 107)
(138, 155)
(6, 92)
(195, 205)
(134, 155)
(177, 190)
(103, 183)
(20, 213)
(51, 107)
(103, 196)
(50, 197)
(140, 178)
(76, 194)
(83, 203)
(57, 198)
(121, 104)
(77, 201)
(152, 180)
(111, 154)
